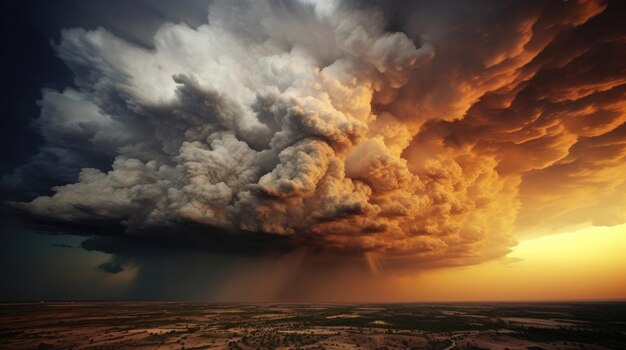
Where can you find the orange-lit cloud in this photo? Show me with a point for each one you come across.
(440, 144)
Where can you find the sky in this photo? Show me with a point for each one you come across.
(314, 151)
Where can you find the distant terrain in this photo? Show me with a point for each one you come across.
(173, 325)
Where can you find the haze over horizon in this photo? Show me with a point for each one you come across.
(314, 151)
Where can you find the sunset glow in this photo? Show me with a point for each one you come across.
(586, 264)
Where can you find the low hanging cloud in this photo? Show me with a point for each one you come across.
(416, 133)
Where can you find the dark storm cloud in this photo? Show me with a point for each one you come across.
(420, 133)
(28, 28)
(63, 245)
(111, 267)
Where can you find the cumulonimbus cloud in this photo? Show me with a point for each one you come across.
(317, 123)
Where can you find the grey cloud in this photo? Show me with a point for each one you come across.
(344, 127)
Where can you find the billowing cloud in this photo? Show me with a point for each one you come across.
(415, 134)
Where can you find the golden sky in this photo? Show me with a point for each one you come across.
(585, 264)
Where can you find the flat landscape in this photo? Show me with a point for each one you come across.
(173, 325)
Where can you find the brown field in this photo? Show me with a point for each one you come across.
(167, 325)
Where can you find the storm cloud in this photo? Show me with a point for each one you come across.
(422, 134)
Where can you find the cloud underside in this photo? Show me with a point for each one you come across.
(285, 125)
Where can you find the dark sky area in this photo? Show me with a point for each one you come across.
(32, 260)
(29, 29)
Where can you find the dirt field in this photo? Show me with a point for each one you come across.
(158, 325)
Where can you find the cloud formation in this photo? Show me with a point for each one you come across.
(414, 133)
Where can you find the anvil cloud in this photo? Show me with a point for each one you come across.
(421, 134)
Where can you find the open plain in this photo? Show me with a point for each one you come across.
(173, 325)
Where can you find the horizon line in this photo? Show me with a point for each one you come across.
(518, 301)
